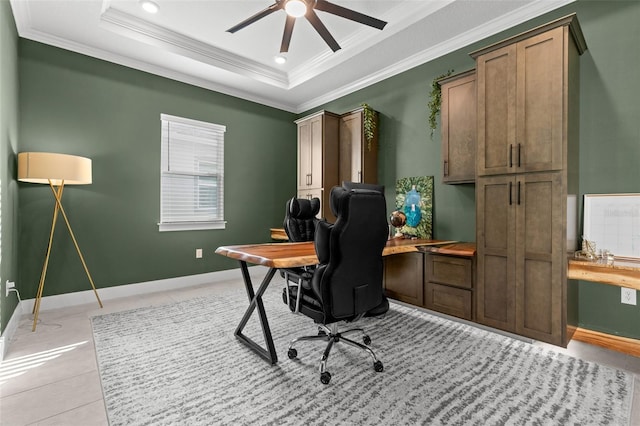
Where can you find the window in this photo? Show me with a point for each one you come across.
(192, 175)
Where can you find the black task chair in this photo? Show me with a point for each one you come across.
(300, 225)
(347, 282)
(300, 218)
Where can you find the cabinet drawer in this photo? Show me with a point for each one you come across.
(449, 270)
(449, 300)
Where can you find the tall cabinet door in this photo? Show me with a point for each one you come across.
(496, 111)
(317, 152)
(304, 155)
(351, 147)
(540, 256)
(495, 245)
(358, 156)
(459, 131)
(539, 130)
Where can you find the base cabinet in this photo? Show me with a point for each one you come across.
(403, 277)
(448, 286)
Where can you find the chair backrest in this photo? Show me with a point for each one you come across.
(300, 218)
(350, 253)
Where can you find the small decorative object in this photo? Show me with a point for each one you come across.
(423, 186)
(412, 207)
(588, 251)
(435, 101)
(369, 124)
(397, 220)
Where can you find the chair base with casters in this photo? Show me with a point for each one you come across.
(332, 335)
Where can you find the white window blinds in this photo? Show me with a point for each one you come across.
(192, 175)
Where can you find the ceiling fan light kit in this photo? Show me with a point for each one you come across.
(295, 8)
(307, 8)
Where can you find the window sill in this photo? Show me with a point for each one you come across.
(191, 226)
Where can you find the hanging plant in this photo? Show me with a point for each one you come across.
(435, 101)
(369, 124)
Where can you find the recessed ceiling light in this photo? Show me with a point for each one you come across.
(280, 59)
(150, 6)
(296, 8)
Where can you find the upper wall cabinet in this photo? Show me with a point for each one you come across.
(358, 156)
(522, 85)
(318, 158)
(458, 123)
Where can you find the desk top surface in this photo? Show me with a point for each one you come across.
(289, 255)
(623, 273)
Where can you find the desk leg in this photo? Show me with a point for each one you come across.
(255, 300)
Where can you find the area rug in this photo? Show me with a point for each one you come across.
(180, 364)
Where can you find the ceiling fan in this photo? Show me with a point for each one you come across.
(307, 8)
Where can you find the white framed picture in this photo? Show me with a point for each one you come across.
(612, 221)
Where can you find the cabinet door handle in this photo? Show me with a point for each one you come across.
(510, 191)
(446, 168)
(519, 146)
(511, 155)
(518, 192)
(359, 176)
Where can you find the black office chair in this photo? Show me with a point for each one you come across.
(347, 282)
(300, 218)
(300, 225)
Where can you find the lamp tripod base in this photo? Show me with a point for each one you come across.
(57, 193)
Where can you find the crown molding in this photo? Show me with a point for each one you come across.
(141, 30)
(495, 26)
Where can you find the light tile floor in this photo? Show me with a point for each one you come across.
(50, 377)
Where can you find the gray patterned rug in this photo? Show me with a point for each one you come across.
(181, 365)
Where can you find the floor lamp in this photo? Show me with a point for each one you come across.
(56, 170)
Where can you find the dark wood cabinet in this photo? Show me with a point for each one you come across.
(527, 165)
(358, 156)
(449, 284)
(317, 158)
(404, 277)
(458, 125)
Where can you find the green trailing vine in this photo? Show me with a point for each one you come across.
(435, 100)
(369, 124)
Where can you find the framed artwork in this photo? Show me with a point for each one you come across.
(424, 187)
(612, 222)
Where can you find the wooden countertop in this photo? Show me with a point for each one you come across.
(288, 255)
(622, 273)
(455, 249)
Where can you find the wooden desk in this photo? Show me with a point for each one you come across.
(286, 255)
(621, 273)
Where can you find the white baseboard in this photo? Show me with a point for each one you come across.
(109, 293)
(9, 330)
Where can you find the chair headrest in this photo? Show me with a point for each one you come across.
(368, 186)
(302, 208)
(334, 200)
(339, 193)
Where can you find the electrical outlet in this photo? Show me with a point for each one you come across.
(8, 286)
(198, 253)
(628, 296)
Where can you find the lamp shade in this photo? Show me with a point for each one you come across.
(42, 167)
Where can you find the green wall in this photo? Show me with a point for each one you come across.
(8, 149)
(609, 134)
(78, 105)
(75, 104)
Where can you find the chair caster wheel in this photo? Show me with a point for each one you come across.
(378, 366)
(292, 353)
(325, 378)
(366, 339)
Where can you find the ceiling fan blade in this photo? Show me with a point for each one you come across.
(343, 12)
(268, 11)
(286, 36)
(313, 19)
